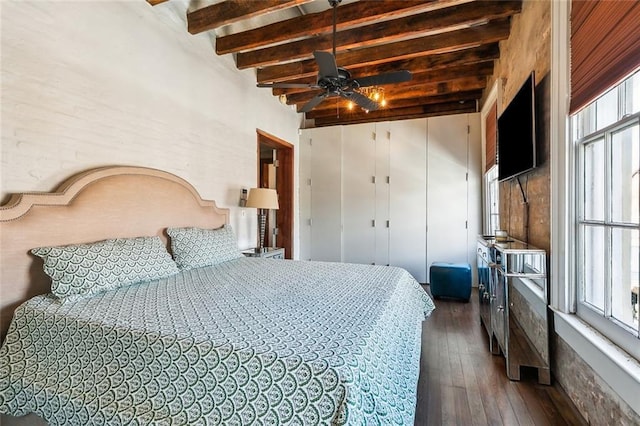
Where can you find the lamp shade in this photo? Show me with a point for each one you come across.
(263, 198)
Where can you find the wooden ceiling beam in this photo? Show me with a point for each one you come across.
(465, 84)
(343, 105)
(397, 114)
(348, 15)
(423, 63)
(229, 11)
(485, 52)
(445, 19)
(482, 53)
(440, 43)
(432, 76)
(421, 79)
(451, 41)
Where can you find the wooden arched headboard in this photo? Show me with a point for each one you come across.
(102, 203)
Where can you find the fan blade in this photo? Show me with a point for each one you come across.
(313, 102)
(326, 64)
(287, 85)
(387, 78)
(361, 100)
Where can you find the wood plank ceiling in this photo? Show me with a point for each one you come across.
(449, 46)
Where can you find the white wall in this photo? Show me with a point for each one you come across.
(88, 84)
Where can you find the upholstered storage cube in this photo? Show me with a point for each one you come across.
(450, 280)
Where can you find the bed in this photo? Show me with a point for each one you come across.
(232, 340)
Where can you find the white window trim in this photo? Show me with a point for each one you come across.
(562, 166)
(617, 369)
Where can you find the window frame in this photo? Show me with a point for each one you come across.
(601, 320)
(491, 206)
(596, 353)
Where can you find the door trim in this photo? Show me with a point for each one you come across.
(284, 186)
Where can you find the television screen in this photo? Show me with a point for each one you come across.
(517, 133)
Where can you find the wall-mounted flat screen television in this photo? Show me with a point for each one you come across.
(517, 133)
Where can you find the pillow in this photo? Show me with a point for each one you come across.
(80, 270)
(197, 247)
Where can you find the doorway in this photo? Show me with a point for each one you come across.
(275, 170)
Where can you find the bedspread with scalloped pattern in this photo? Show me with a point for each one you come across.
(248, 341)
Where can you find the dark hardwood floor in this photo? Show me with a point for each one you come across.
(461, 383)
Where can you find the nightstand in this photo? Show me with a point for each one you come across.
(269, 252)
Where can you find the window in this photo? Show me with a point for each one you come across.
(607, 139)
(492, 201)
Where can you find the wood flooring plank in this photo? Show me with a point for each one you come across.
(474, 397)
(427, 398)
(462, 383)
(447, 353)
(434, 413)
(455, 365)
(564, 406)
(444, 354)
(462, 409)
(518, 404)
(497, 382)
(470, 409)
(487, 373)
(541, 409)
(448, 407)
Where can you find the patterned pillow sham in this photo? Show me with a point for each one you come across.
(80, 270)
(197, 247)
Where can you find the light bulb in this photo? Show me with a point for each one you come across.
(350, 105)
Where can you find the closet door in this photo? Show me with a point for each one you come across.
(447, 189)
(358, 170)
(325, 227)
(382, 194)
(408, 196)
(474, 212)
(304, 195)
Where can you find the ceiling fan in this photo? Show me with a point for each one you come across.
(337, 81)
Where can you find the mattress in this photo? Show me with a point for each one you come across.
(247, 341)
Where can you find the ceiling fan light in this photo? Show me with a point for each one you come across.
(383, 102)
(350, 105)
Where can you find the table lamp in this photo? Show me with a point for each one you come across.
(263, 199)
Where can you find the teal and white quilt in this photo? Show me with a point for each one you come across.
(248, 341)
